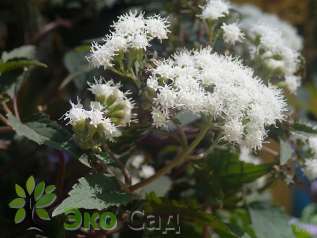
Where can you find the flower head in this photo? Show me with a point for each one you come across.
(232, 33)
(215, 9)
(131, 30)
(221, 88)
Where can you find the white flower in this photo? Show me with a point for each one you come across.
(293, 83)
(152, 83)
(160, 118)
(147, 171)
(157, 27)
(215, 9)
(76, 114)
(132, 30)
(232, 33)
(312, 142)
(246, 156)
(310, 168)
(110, 130)
(219, 87)
(137, 160)
(103, 88)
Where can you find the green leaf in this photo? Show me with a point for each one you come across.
(20, 191)
(223, 170)
(46, 200)
(97, 191)
(18, 64)
(305, 127)
(42, 214)
(300, 233)
(45, 131)
(286, 152)
(30, 185)
(17, 203)
(39, 190)
(190, 213)
(50, 189)
(270, 222)
(20, 215)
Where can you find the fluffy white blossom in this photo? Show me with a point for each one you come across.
(232, 33)
(293, 82)
(219, 87)
(131, 30)
(117, 105)
(76, 114)
(215, 9)
(312, 142)
(147, 171)
(247, 156)
(279, 43)
(310, 168)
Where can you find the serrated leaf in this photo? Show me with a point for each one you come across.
(45, 131)
(42, 214)
(30, 185)
(39, 190)
(17, 203)
(46, 200)
(270, 222)
(19, 215)
(20, 191)
(97, 191)
(50, 189)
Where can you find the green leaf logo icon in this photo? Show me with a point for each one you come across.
(37, 196)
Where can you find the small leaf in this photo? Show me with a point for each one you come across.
(30, 184)
(39, 190)
(46, 200)
(50, 189)
(286, 152)
(16, 64)
(17, 203)
(20, 191)
(42, 214)
(20, 215)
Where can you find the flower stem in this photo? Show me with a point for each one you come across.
(178, 161)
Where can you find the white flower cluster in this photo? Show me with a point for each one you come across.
(138, 169)
(132, 30)
(279, 43)
(232, 33)
(215, 9)
(110, 110)
(218, 86)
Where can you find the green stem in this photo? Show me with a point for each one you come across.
(178, 161)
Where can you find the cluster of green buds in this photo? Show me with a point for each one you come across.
(110, 111)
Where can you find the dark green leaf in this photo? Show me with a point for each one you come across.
(20, 215)
(20, 191)
(45, 132)
(30, 185)
(42, 214)
(46, 200)
(17, 203)
(305, 128)
(94, 192)
(39, 190)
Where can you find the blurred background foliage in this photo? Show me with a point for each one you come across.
(61, 31)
